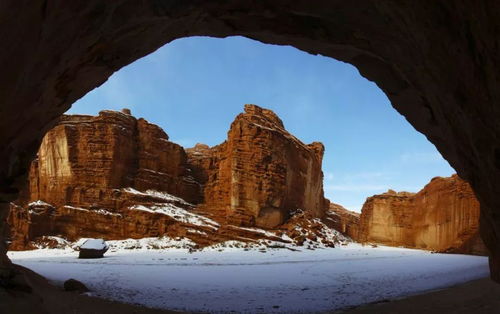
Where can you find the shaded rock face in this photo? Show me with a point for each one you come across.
(437, 62)
(443, 216)
(75, 285)
(116, 177)
(343, 220)
(261, 173)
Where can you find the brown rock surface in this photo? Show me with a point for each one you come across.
(116, 177)
(75, 285)
(343, 220)
(77, 184)
(443, 216)
(134, 215)
(261, 173)
(84, 158)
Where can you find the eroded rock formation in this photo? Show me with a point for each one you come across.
(443, 216)
(84, 158)
(76, 183)
(343, 220)
(115, 177)
(261, 173)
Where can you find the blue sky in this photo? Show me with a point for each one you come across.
(194, 87)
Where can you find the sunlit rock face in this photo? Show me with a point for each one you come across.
(84, 158)
(443, 216)
(76, 183)
(261, 173)
(115, 177)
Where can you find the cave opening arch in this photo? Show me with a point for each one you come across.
(422, 55)
(201, 83)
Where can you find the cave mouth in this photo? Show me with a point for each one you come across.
(358, 124)
(202, 83)
(435, 61)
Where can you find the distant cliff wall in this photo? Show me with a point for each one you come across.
(343, 220)
(443, 216)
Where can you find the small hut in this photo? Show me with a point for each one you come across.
(93, 248)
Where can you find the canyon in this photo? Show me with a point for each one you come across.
(117, 177)
(113, 176)
(443, 217)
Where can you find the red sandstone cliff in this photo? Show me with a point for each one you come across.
(117, 177)
(261, 173)
(343, 220)
(77, 183)
(84, 158)
(443, 216)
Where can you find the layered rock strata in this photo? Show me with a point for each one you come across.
(84, 158)
(261, 172)
(115, 177)
(443, 216)
(343, 220)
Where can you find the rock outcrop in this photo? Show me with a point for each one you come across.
(116, 177)
(261, 173)
(443, 216)
(343, 220)
(84, 158)
(76, 184)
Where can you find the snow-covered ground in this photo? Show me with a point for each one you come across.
(257, 280)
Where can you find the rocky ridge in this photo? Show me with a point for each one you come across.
(261, 173)
(116, 177)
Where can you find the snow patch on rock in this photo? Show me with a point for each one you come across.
(38, 203)
(157, 194)
(178, 214)
(94, 244)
